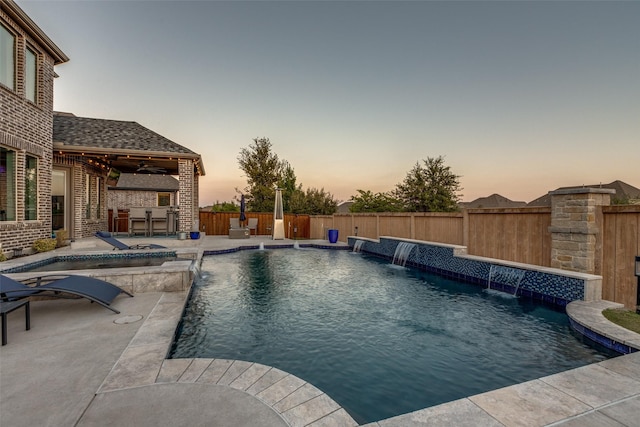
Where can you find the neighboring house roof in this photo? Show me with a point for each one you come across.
(343, 207)
(18, 15)
(623, 191)
(126, 146)
(145, 182)
(493, 201)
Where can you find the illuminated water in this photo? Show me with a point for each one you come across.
(380, 340)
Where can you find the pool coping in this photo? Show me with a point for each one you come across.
(144, 363)
(612, 385)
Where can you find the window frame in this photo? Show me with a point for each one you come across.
(30, 179)
(162, 195)
(11, 66)
(29, 79)
(9, 210)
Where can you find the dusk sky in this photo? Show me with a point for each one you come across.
(519, 97)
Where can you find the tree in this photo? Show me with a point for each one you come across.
(366, 201)
(225, 207)
(319, 202)
(263, 171)
(287, 183)
(431, 187)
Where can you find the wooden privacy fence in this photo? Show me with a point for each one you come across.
(620, 246)
(217, 223)
(514, 234)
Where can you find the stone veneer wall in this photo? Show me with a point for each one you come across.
(124, 199)
(26, 127)
(551, 286)
(576, 228)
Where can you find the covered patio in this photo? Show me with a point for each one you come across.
(90, 154)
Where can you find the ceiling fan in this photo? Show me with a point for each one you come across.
(143, 167)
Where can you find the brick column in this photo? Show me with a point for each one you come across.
(186, 191)
(576, 226)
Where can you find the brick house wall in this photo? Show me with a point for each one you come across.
(124, 199)
(25, 128)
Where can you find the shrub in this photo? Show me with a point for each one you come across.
(61, 238)
(44, 245)
(3, 257)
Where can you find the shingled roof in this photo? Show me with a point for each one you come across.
(624, 191)
(493, 201)
(102, 133)
(125, 146)
(146, 182)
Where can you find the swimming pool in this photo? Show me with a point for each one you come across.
(378, 339)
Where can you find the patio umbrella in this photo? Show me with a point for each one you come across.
(243, 217)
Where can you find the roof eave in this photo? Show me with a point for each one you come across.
(79, 149)
(18, 15)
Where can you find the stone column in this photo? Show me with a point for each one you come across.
(576, 226)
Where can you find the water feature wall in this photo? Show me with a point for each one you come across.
(552, 286)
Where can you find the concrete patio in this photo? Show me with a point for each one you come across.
(83, 365)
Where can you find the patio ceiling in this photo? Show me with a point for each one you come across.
(129, 161)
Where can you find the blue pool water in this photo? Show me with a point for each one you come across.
(378, 339)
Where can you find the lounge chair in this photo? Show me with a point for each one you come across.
(95, 290)
(234, 223)
(117, 244)
(253, 225)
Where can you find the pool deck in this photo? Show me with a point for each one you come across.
(82, 365)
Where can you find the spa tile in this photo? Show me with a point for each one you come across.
(594, 385)
(195, 370)
(250, 376)
(172, 369)
(529, 404)
(215, 371)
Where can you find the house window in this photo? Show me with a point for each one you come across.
(31, 188)
(7, 58)
(164, 199)
(7, 185)
(31, 75)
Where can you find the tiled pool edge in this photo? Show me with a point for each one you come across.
(543, 284)
(587, 319)
(276, 246)
(190, 370)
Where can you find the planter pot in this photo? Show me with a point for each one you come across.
(195, 235)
